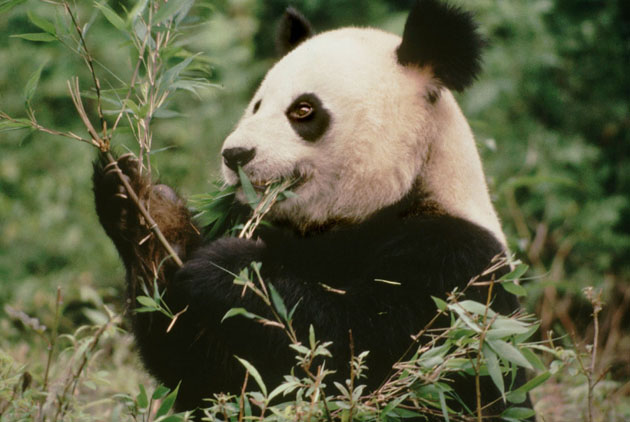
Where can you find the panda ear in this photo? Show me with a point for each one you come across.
(292, 30)
(445, 38)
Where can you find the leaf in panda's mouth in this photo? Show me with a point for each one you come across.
(271, 191)
(276, 188)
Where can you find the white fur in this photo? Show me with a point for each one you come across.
(383, 135)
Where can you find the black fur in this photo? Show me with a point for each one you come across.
(413, 243)
(313, 127)
(445, 38)
(292, 30)
(428, 253)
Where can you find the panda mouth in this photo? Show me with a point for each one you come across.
(285, 183)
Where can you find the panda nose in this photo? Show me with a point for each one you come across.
(235, 157)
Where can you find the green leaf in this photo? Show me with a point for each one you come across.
(516, 273)
(284, 389)
(476, 308)
(7, 5)
(147, 301)
(533, 359)
(443, 405)
(254, 373)
(464, 317)
(169, 10)
(38, 36)
(441, 305)
(387, 410)
(31, 84)
(507, 327)
(520, 394)
(294, 309)
(515, 289)
(171, 418)
(311, 336)
(41, 23)
(239, 311)
(508, 352)
(248, 189)
(518, 413)
(17, 124)
(111, 16)
(160, 392)
(433, 357)
(494, 368)
(278, 303)
(137, 10)
(167, 403)
(141, 398)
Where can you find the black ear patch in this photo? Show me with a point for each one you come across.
(444, 37)
(292, 30)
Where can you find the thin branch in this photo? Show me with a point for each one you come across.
(88, 59)
(151, 222)
(35, 125)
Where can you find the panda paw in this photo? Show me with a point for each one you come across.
(116, 210)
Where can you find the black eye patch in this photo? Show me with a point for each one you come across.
(308, 117)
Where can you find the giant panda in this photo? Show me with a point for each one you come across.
(391, 187)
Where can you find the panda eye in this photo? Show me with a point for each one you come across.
(308, 117)
(301, 111)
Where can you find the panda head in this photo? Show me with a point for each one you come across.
(363, 118)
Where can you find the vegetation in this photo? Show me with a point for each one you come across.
(550, 113)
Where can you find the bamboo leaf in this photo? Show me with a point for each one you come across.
(520, 394)
(509, 352)
(494, 368)
(147, 301)
(17, 124)
(515, 289)
(518, 413)
(533, 359)
(111, 16)
(516, 273)
(141, 398)
(167, 403)
(441, 305)
(160, 392)
(443, 405)
(239, 311)
(41, 23)
(37, 36)
(137, 11)
(248, 189)
(31, 84)
(254, 373)
(476, 308)
(278, 303)
(7, 5)
(169, 10)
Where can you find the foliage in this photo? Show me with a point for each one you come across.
(550, 112)
(219, 214)
(478, 342)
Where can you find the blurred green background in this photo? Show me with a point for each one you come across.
(551, 113)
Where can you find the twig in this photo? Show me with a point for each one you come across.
(479, 353)
(88, 59)
(596, 301)
(241, 402)
(35, 125)
(270, 197)
(53, 339)
(72, 384)
(151, 222)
